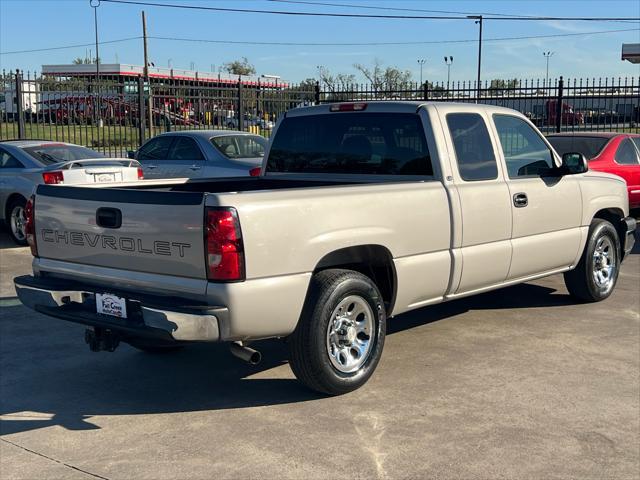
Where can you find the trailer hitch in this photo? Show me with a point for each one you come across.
(101, 339)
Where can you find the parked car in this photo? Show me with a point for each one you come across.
(27, 163)
(363, 211)
(201, 154)
(617, 153)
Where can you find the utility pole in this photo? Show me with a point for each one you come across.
(146, 75)
(421, 62)
(95, 4)
(547, 55)
(478, 19)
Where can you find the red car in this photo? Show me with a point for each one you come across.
(617, 153)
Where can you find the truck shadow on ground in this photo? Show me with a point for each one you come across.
(50, 371)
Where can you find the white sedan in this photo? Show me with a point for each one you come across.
(27, 163)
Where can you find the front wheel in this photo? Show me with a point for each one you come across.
(596, 274)
(340, 336)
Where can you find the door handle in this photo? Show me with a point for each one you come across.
(194, 167)
(150, 167)
(520, 200)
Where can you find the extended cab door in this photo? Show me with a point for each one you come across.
(484, 251)
(546, 208)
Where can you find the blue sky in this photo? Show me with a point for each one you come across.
(32, 24)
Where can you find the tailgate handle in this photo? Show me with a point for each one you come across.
(109, 218)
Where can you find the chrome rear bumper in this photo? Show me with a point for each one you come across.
(160, 318)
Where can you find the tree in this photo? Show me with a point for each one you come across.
(240, 67)
(340, 81)
(501, 85)
(84, 61)
(381, 78)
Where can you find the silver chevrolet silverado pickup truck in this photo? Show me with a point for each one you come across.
(362, 211)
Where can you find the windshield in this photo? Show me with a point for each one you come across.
(240, 146)
(55, 153)
(351, 143)
(588, 146)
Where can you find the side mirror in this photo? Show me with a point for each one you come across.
(131, 154)
(574, 163)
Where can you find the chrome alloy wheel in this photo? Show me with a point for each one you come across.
(349, 334)
(18, 221)
(604, 263)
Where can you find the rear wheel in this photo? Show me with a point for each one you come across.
(340, 336)
(17, 221)
(595, 276)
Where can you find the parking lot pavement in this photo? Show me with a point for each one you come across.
(521, 382)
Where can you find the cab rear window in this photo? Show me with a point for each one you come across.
(351, 143)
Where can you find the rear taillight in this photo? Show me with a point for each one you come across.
(255, 172)
(30, 224)
(140, 174)
(223, 243)
(51, 178)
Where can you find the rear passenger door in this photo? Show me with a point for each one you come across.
(485, 250)
(185, 159)
(546, 208)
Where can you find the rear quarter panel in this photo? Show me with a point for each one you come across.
(286, 234)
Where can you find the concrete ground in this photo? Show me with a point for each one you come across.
(518, 383)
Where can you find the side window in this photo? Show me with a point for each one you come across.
(525, 152)
(8, 161)
(227, 146)
(156, 149)
(472, 143)
(185, 149)
(626, 153)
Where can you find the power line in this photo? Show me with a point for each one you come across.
(396, 9)
(323, 44)
(358, 15)
(399, 9)
(366, 44)
(64, 47)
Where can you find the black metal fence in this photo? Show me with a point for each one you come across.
(117, 113)
(605, 104)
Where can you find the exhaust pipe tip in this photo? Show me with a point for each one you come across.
(249, 355)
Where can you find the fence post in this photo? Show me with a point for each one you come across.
(559, 105)
(316, 94)
(425, 91)
(19, 106)
(141, 112)
(240, 106)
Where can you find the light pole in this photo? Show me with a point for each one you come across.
(478, 19)
(421, 62)
(547, 55)
(448, 61)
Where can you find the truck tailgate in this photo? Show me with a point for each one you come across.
(135, 230)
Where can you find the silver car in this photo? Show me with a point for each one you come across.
(27, 163)
(201, 154)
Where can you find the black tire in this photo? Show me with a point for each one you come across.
(154, 348)
(308, 345)
(581, 281)
(16, 203)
